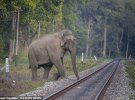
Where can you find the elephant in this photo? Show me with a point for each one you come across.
(49, 50)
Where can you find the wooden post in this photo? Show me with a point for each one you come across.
(88, 37)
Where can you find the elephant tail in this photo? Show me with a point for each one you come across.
(32, 58)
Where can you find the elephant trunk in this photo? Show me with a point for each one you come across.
(73, 57)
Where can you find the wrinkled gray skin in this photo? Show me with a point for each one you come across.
(49, 50)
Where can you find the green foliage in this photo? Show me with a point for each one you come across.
(69, 15)
(55, 15)
(131, 72)
(80, 35)
(71, 20)
(22, 58)
(130, 69)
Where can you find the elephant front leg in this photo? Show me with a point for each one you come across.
(34, 73)
(57, 61)
(60, 68)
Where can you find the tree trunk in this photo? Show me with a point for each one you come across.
(12, 41)
(104, 45)
(26, 47)
(11, 50)
(88, 37)
(90, 52)
(28, 40)
(87, 50)
(109, 53)
(39, 30)
(127, 47)
(17, 35)
(127, 50)
(17, 38)
(53, 26)
(120, 47)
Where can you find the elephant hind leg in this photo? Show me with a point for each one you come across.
(34, 73)
(46, 71)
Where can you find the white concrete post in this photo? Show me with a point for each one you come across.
(95, 58)
(7, 67)
(82, 57)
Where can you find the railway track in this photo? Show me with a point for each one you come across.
(91, 87)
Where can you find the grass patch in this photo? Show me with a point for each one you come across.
(130, 69)
(15, 87)
(21, 74)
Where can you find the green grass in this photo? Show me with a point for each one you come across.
(9, 88)
(131, 72)
(22, 75)
(130, 69)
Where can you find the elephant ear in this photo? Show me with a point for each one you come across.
(62, 43)
(64, 36)
(64, 33)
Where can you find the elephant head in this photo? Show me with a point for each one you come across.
(68, 44)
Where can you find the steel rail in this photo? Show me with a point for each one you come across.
(63, 91)
(101, 93)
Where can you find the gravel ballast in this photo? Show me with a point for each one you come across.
(119, 88)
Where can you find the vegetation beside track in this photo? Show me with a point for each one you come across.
(130, 69)
(20, 76)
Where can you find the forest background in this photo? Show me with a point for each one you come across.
(103, 28)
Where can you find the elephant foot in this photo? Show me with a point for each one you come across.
(56, 76)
